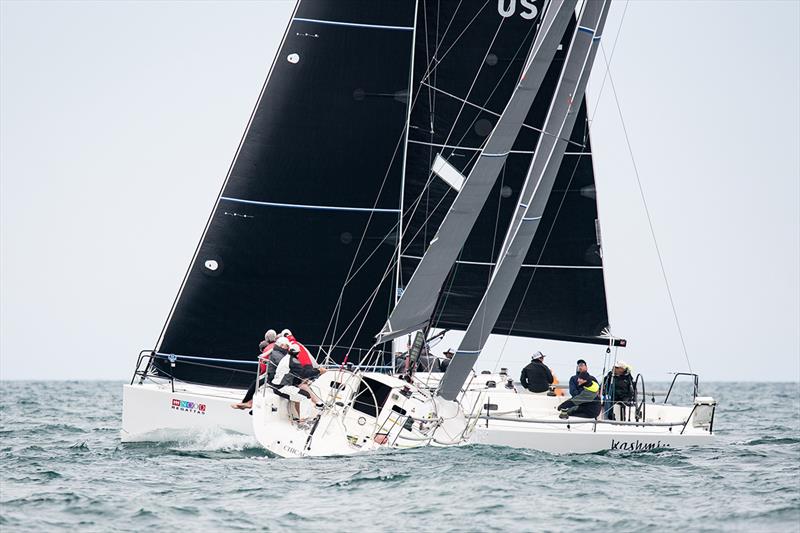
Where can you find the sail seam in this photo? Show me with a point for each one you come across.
(357, 24)
(306, 206)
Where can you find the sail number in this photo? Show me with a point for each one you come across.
(507, 8)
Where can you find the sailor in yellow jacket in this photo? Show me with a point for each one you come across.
(586, 403)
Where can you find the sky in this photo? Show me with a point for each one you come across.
(119, 120)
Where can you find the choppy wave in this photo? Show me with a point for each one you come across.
(64, 468)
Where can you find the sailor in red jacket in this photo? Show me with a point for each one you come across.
(304, 356)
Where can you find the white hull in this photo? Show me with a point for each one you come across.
(521, 419)
(580, 438)
(150, 412)
(517, 419)
(365, 412)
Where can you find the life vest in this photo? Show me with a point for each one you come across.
(592, 387)
(304, 356)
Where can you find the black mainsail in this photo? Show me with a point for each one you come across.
(313, 189)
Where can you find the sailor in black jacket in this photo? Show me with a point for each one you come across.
(536, 377)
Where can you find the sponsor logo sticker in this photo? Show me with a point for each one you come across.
(188, 407)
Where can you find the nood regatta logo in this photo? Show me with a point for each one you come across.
(507, 8)
(189, 407)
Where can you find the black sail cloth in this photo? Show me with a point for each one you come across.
(560, 292)
(319, 160)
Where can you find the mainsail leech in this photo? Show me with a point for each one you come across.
(416, 306)
(538, 186)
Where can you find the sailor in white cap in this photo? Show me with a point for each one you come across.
(617, 389)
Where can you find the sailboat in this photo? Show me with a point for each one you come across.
(408, 167)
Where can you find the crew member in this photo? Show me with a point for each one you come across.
(448, 356)
(304, 356)
(265, 347)
(617, 388)
(293, 376)
(585, 404)
(536, 377)
(573, 381)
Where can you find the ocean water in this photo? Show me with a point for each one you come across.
(62, 467)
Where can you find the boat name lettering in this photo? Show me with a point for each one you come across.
(636, 445)
(506, 8)
(291, 450)
(189, 407)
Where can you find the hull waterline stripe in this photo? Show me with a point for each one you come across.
(356, 24)
(318, 207)
(525, 265)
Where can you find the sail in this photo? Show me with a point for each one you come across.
(416, 306)
(306, 223)
(560, 291)
(536, 192)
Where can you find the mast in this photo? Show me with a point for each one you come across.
(417, 304)
(538, 186)
(399, 269)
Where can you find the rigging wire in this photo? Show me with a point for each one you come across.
(417, 202)
(473, 157)
(649, 219)
(337, 309)
(430, 176)
(334, 320)
(415, 205)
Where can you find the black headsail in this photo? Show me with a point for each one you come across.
(560, 292)
(314, 189)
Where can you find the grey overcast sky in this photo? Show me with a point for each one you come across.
(118, 121)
